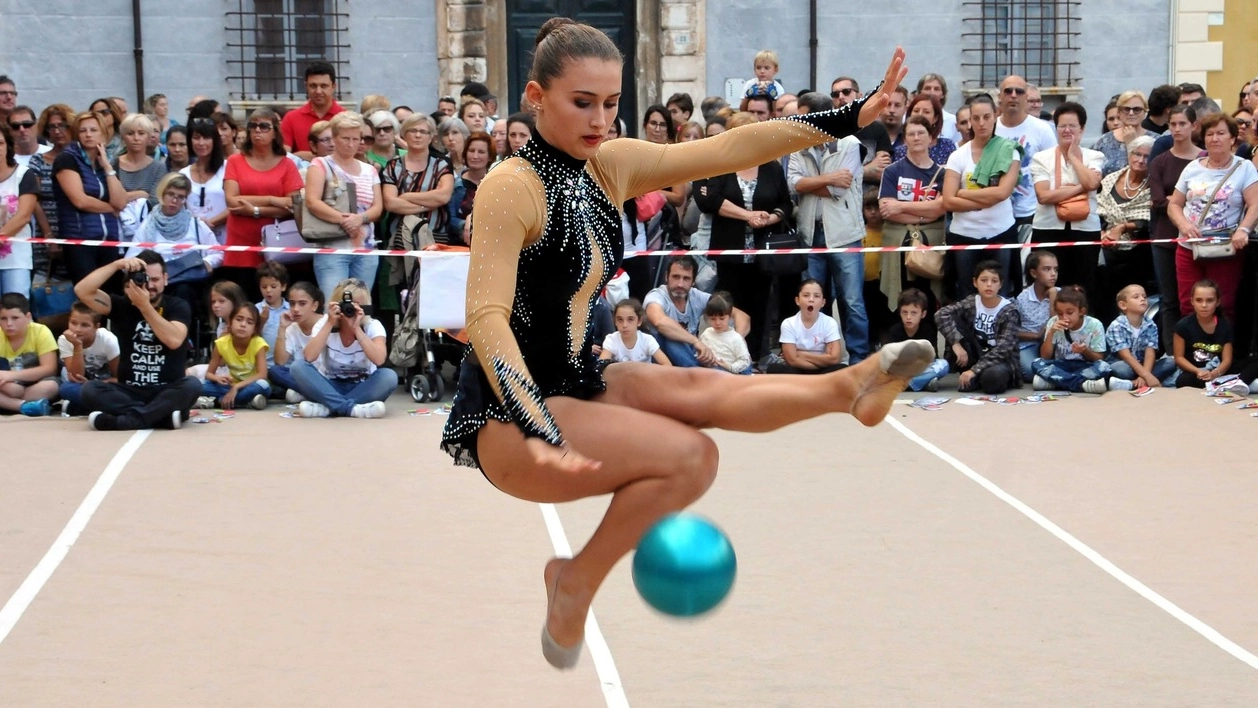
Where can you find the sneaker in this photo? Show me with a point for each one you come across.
(1039, 383)
(932, 385)
(206, 402)
(99, 420)
(292, 396)
(1096, 386)
(176, 420)
(36, 409)
(258, 403)
(1117, 384)
(310, 409)
(375, 409)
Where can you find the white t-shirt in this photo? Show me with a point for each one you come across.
(643, 349)
(983, 223)
(985, 320)
(295, 342)
(1197, 181)
(1044, 169)
(346, 362)
(695, 304)
(96, 358)
(25, 160)
(208, 199)
(949, 129)
(1034, 135)
(810, 339)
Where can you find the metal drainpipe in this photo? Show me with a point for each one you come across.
(812, 44)
(138, 52)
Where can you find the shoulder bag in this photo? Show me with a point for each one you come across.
(923, 262)
(51, 299)
(338, 193)
(1076, 208)
(1218, 243)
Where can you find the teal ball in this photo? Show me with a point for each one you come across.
(684, 565)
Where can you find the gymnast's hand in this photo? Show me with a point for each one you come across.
(560, 459)
(878, 100)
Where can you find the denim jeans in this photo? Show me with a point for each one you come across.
(1164, 370)
(332, 269)
(937, 368)
(16, 280)
(281, 376)
(1069, 374)
(846, 271)
(1028, 352)
(243, 396)
(341, 396)
(678, 353)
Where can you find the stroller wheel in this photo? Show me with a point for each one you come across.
(439, 388)
(419, 388)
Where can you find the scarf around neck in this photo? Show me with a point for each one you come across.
(170, 228)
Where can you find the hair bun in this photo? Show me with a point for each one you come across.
(551, 25)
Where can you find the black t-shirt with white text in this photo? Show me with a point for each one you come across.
(1203, 350)
(144, 360)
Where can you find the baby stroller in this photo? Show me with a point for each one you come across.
(422, 351)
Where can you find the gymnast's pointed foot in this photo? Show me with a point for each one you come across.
(880, 379)
(563, 633)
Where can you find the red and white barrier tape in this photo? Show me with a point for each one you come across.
(180, 247)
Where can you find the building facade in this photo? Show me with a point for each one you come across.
(250, 52)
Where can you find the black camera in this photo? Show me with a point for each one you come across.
(349, 309)
(140, 277)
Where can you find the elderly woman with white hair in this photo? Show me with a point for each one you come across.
(1132, 108)
(385, 132)
(452, 136)
(138, 172)
(1124, 203)
(357, 222)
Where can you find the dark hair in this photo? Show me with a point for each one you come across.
(56, 109)
(523, 117)
(1190, 88)
(1203, 283)
(113, 110)
(231, 291)
(4, 79)
(180, 129)
(989, 266)
(23, 109)
(1179, 108)
(9, 148)
(717, 119)
(850, 80)
(933, 128)
(632, 303)
(913, 296)
(277, 141)
(683, 101)
(1163, 97)
(310, 289)
(719, 305)
(1033, 261)
(481, 136)
(815, 102)
(710, 105)
(1073, 295)
(981, 98)
(205, 108)
(686, 262)
(809, 281)
(668, 119)
(251, 309)
(207, 128)
(273, 269)
(1214, 119)
(320, 68)
(151, 257)
(561, 40)
(15, 301)
(473, 88)
(80, 307)
(1071, 107)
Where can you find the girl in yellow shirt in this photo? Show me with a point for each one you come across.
(243, 352)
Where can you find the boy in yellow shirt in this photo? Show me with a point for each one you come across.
(28, 360)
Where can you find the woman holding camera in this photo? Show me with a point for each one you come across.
(340, 372)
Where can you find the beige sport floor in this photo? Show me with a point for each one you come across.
(265, 561)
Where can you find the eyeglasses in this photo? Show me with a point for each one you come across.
(1244, 123)
(202, 121)
(842, 92)
(172, 196)
(260, 127)
(22, 125)
(384, 129)
(1013, 91)
(8, 94)
(56, 126)
(418, 131)
(1131, 110)
(657, 125)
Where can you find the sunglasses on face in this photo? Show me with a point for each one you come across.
(1131, 110)
(22, 125)
(1013, 91)
(1244, 123)
(260, 127)
(842, 92)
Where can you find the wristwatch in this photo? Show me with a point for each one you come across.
(257, 212)
(111, 173)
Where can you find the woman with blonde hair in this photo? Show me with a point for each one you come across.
(89, 196)
(358, 222)
(1132, 108)
(137, 170)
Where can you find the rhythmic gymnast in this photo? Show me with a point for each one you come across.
(532, 410)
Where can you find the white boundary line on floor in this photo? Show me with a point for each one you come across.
(1211, 634)
(608, 676)
(26, 592)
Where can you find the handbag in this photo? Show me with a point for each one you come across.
(340, 194)
(284, 234)
(1076, 208)
(781, 263)
(187, 267)
(51, 299)
(922, 261)
(1218, 243)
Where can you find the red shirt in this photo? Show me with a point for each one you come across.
(295, 128)
(279, 181)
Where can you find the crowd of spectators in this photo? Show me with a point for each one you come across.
(196, 328)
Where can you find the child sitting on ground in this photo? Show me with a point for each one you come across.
(1203, 343)
(981, 332)
(810, 339)
(305, 302)
(1132, 339)
(914, 324)
(1072, 356)
(765, 65)
(727, 345)
(1035, 304)
(88, 352)
(628, 342)
(28, 360)
(272, 281)
(225, 297)
(243, 353)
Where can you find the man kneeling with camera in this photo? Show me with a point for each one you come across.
(152, 390)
